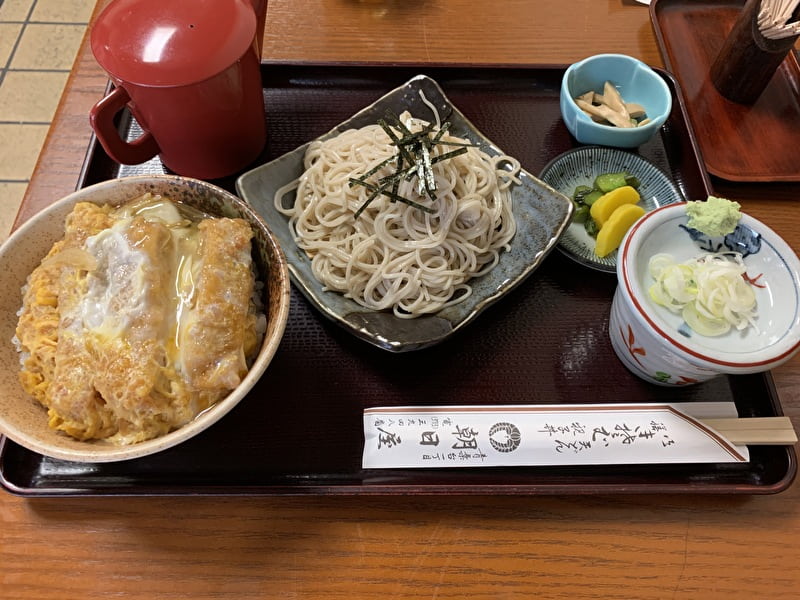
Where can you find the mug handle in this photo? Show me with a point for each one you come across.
(101, 117)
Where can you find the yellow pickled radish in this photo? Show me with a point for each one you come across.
(615, 228)
(606, 204)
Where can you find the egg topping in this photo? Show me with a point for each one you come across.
(139, 319)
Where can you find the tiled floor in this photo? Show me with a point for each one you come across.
(38, 43)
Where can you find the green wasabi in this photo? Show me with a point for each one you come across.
(714, 217)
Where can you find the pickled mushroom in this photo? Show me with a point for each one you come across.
(609, 108)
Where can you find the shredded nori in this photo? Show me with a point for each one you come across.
(413, 158)
(376, 190)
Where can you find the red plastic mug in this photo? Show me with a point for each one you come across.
(189, 71)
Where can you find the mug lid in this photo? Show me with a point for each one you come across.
(172, 42)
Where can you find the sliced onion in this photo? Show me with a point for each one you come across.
(702, 324)
(709, 291)
(72, 257)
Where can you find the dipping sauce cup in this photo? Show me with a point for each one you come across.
(655, 343)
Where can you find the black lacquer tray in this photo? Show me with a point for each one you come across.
(300, 429)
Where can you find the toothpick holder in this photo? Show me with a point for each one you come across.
(747, 60)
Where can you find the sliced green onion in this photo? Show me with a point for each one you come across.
(711, 292)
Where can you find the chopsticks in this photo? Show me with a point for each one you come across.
(754, 431)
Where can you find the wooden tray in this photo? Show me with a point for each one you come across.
(756, 142)
(300, 429)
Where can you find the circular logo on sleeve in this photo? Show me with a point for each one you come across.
(504, 437)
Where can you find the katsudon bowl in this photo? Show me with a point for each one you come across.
(23, 419)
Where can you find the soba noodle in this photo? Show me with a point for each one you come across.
(393, 255)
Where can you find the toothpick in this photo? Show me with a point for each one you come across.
(774, 16)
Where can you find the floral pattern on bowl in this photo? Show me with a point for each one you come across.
(743, 240)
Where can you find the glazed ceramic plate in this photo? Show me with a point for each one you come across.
(542, 215)
(580, 167)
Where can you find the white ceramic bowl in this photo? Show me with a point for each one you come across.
(658, 346)
(635, 81)
(23, 419)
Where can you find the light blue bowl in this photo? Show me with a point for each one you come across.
(635, 81)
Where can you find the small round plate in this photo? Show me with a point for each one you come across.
(580, 166)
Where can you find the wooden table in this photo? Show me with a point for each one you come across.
(442, 547)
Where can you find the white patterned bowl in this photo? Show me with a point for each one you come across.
(580, 166)
(658, 346)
